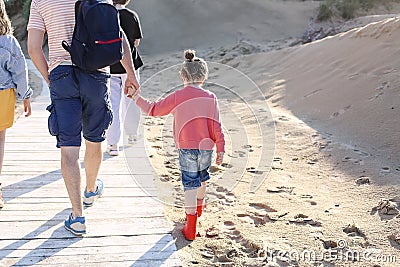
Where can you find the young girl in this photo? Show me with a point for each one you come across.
(197, 128)
(13, 80)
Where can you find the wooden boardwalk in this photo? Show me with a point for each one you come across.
(126, 227)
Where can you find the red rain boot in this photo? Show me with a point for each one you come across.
(201, 204)
(189, 230)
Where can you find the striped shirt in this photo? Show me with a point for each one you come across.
(57, 18)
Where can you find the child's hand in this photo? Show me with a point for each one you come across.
(131, 92)
(220, 158)
(27, 107)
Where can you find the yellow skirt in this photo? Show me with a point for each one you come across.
(7, 107)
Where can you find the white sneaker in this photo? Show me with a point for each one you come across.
(112, 150)
(132, 139)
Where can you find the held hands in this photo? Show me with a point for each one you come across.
(27, 107)
(133, 93)
(131, 82)
(220, 158)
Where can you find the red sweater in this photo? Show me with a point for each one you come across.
(196, 117)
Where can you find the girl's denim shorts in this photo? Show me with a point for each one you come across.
(194, 164)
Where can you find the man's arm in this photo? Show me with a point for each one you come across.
(127, 63)
(35, 41)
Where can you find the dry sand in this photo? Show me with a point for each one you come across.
(328, 124)
(331, 114)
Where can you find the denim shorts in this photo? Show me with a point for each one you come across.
(194, 164)
(79, 104)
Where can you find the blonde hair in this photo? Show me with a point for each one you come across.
(5, 23)
(194, 69)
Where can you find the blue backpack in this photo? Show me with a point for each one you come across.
(96, 41)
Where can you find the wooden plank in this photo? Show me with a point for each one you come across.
(20, 216)
(110, 191)
(50, 180)
(36, 171)
(125, 227)
(105, 253)
(102, 241)
(105, 226)
(127, 259)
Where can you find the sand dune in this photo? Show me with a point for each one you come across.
(334, 176)
(346, 85)
(173, 25)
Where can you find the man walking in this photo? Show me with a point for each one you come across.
(79, 102)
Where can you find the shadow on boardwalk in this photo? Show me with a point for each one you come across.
(33, 256)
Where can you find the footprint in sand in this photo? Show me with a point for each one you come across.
(246, 246)
(362, 180)
(226, 165)
(329, 244)
(283, 118)
(257, 220)
(169, 165)
(352, 160)
(241, 154)
(230, 231)
(361, 153)
(165, 178)
(306, 196)
(387, 207)
(254, 170)
(276, 163)
(221, 196)
(394, 239)
(312, 93)
(353, 230)
(280, 189)
(176, 174)
(385, 170)
(304, 219)
(259, 216)
(340, 112)
(207, 254)
(262, 206)
(312, 161)
(380, 90)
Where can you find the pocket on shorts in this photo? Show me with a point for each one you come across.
(188, 160)
(60, 73)
(52, 121)
(100, 76)
(108, 117)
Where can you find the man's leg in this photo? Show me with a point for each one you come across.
(93, 158)
(96, 118)
(72, 177)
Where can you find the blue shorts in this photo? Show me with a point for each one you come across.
(194, 164)
(79, 104)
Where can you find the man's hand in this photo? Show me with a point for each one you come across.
(131, 82)
(220, 158)
(27, 107)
